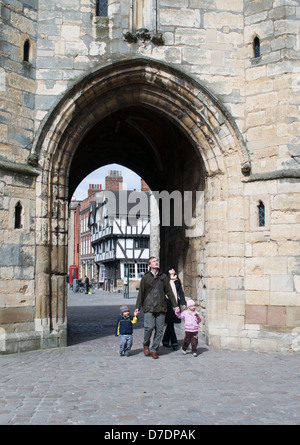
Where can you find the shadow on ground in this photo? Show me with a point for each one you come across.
(86, 323)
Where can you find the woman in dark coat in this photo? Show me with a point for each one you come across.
(170, 335)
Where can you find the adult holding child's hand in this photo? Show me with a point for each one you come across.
(154, 288)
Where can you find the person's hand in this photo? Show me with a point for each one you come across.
(177, 309)
(136, 312)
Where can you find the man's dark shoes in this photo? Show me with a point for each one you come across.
(146, 351)
(154, 355)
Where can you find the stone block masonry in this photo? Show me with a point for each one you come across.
(223, 78)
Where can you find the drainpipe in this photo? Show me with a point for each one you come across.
(156, 16)
(132, 14)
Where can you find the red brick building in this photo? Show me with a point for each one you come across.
(80, 249)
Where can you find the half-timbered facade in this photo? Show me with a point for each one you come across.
(120, 236)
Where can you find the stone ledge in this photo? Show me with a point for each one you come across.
(30, 341)
(17, 167)
(278, 174)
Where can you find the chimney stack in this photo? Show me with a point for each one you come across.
(114, 180)
(93, 188)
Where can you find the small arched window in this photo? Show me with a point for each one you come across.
(256, 47)
(261, 214)
(18, 216)
(101, 8)
(26, 51)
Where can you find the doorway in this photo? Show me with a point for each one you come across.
(160, 124)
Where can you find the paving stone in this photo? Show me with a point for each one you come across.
(88, 382)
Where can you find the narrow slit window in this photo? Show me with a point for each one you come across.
(256, 47)
(26, 51)
(18, 216)
(101, 8)
(261, 214)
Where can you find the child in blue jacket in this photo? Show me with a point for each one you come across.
(124, 329)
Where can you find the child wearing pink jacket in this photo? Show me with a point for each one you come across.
(191, 323)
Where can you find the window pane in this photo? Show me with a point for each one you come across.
(101, 8)
(256, 46)
(131, 269)
(18, 216)
(261, 214)
(26, 49)
(142, 268)
(142, 243)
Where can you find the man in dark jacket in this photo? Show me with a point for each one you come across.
(154, 288)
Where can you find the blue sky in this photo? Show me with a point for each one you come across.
(131, 179)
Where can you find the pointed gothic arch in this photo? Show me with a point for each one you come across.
(187, 102)
(155, 87)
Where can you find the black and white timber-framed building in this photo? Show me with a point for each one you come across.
(120, 237)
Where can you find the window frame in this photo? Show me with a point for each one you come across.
(261, 214)
(101, 8)
(18, 216)
(256, 47)
(26, 51)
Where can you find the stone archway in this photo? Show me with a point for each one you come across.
(188, 110)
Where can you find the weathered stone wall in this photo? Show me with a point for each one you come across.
(272, 134)
(17, 179)
(17, 262)
(17, 85)
(244, 276)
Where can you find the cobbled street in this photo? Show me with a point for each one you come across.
(88, 383)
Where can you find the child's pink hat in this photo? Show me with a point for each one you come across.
(190, 303)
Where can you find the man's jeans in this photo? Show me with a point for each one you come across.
(154, 322)
(125, 344)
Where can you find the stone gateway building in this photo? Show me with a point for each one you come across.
(192, 95)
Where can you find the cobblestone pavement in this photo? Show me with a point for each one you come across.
(88, 383)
